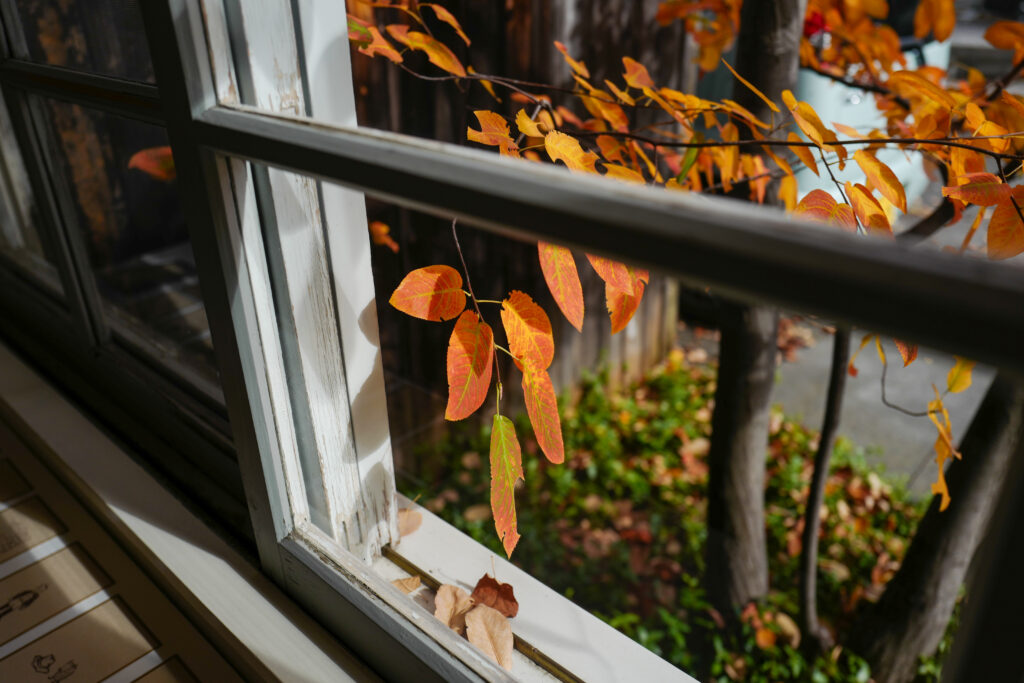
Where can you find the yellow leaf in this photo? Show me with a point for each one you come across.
(578, 67)
(881, 178)
(494, 132)
(527, 126)
(561, 147)
(437, 52)
(959, 377)
(750, 86)
(802, 153)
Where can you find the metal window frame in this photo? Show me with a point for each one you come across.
(744, 251)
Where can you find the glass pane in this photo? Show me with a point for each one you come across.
(100, 36)
(123, 183)
(19, 218)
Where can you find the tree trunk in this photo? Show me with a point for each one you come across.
(737, 561)
(910, 618)
(817, 639)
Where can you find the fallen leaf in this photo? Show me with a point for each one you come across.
(493, 593)
(409, 520)
(451, 605)
(408, 585)
(490, 631)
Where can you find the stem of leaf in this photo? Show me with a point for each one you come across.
(472, 296)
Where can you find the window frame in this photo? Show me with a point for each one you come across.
(739, 249)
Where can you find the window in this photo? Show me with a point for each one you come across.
(256, 102)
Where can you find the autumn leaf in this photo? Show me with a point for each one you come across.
(820, 205)
(380, 233)
(409, 520)
(451, 604)
(807, 120)
(623, 305)
(506, 469)
(490, 631)
(561, 147)
(1005, 228)
(851, 368)
(636, 75)
(959, 377)
(913, 84)
(622, 173)
(787, 192)
(493, 593)
(765, 638)
(750, 86)
(908, 352)
(448, 18)
(358, 31)
(563, 281)
(944, 448)
(802, 153)
(528, 330)
(470, 361)
(983, 189)
(431, 293)
(542, 407)
(493, 132)
(407, 585)
(578, 67)
(156, 162)
(379, 45)
(437, 52)
(527, 126)
(620, 94)
(1006, 35)
(614, 274)
(881, 178)
(867, 209)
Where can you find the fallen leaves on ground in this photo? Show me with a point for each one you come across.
(451, 605)
(490, 631)
(407, 585)
(409, 520)
(493, 593)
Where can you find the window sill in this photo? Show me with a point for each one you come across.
(248, 619)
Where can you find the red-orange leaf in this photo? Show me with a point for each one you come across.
(437, 52)
(563, 280)
(380, 233)
(636, 75)
(564, 148)
(908, 352)
(820, 205)
(156, 162)
(1005, 229)
(983, 189)
(431, 293)
(614, 274)
(448, 18)
(542, 407)
(506, 469)
(470, 360)
(881, 178)
(528, 330)
(623, 305)
(379, 45)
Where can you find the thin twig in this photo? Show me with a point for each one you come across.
(1005, 80)
(885, 401)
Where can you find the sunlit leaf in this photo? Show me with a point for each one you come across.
(750, 86)
(908, 351)
(636, 75)
(563, 281)
(451, 604)
(867, 209)
(622, 173)
(506, 469)
(156, 162)
(959, 377)
(528, 330)
(578, 67)
(820, 205)
(803, 153)
(379, 45)
(620, 94)
(527, 126)
(1005, 229)
(437, 52)
(493, 593)
(807, 120)
(448, 18)
(494, 132)
(1006, 35)
(614, 274)
(561, 147)
(911, 84)
(431, 293)
(622, 306)
(470, 361)
(787, 192)
(490, 631)
(542, 407)
(881, 178)
(983, 189)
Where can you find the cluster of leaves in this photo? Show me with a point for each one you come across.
(620, 529)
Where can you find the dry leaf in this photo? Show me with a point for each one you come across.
(493, 593)
(450, 606)
(408, 585)
(490, 631)
(409, 520)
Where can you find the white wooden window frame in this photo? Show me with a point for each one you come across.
(284, 264)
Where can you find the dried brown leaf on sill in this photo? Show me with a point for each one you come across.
(408, 585)
(450, 606)
(493, 593)
(409, 520)
(490, 631)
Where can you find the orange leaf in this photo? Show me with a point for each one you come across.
(542, 407)
(1006, 35)
(578, 67)
(380, 233)
(1005, 229)
(379, 45)
(867, 209)
(622, 173)
(563, 281)
(494, 132)
(787, 192)
(908, 352)
(621, 95)
(636, 75)
(983, 189)
(750, 86)
(820, 205)
(527, 126)
(765, 638)
(431, 293)
(506, 469)
(470, 360)
(437, 52)
(615, 274)
(802, 153)
(601, 107)
(561, 147)
(911, 83)
(448, 18)
(881, 178)
(623, 305)
(528, 330)
(156, 162)
(807, 120)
